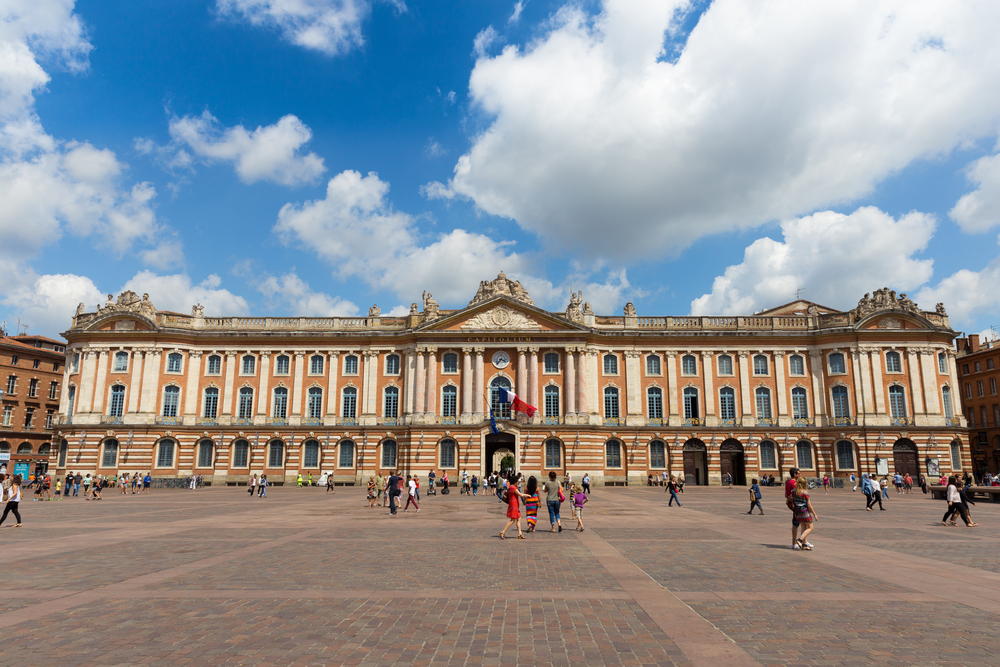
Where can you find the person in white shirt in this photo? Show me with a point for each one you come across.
(13, 499)
(876, 493)
(412, 497)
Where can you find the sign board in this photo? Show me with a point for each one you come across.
(881, 466)
(4, 456)
(982, 440)
(933, 468)
(21, 468)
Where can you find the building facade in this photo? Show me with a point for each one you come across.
(619, 397)
(978, 368)
(31, 373)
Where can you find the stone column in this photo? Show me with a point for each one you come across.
(670, 359)
(150, 380)
(533, 378)
(227, 390)
(466, 411)
(818, 385)
(263, 390)
(135, 381)
(522, 373)
(192, 375)
(421, 388)
(708, 370)
(913, 378)
(432, 371)
(99, 382)
(956, 388)
(332, 395)
(862, 395)
(369, 387)
(64, 387)
(634, 412)
(478, 389)
(569, 382)
(779, 376)
(878, 389)
(582, 403)
(299, 370)
(929, 373)
(746, 399)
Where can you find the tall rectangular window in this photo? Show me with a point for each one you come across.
(33, 388)
(11, 384)
(727, 403)
(392, 364)
(110, 458)
(551, 361)
(657, 454)
(350, 405)
(841, 406)
(993, 386)
(249, 365)
(48, 419)
(282, 365)
(241, 454)
(165, 454)
(449, 363)
(214, 365)
(551, 401)
(553, 454)
(654, 403)
(796, 365)
(760, 364)
(610, 403)
(447, 453)
(316, 365)
(174, 361)
(610, 364)
(768, 460)
(725, 364)
(449, 401)
(763, 396)
(845, 455)
(280, 403)
(121, 362)
(652, 365)
(28, 416)
(613, 454)
(837, 363)
(350, 365)
(691, 403)
(982, 415)
(391, 402)
(171, 398)
(71, 403)
(800, 406)
(346, 454)
(54, 389)
(942, 363)
(897, 402)
(315, 407)
(8, 415)
(117, 408)
(946, 400)
(979, 387)
(996, 416)
(246, 403)
(211, 403)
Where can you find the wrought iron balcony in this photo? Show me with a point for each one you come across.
(388, 421)
(277, 421)
(312, 421)
(614, 421)
(953, 421)
(243, 421)
(111, 420)
(552, 421)
(727, 422)
(447, 420)
(843, 421)
(167, 421)
(803, 421)
(692, 421)
(347, 421)
(207, 421)
(902, 421)
(767, 421)
(656, 421)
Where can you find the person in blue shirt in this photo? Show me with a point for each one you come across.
(755, 497)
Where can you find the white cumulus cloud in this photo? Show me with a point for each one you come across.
(177, 293)
(46, 303)
(773, 109)
(270, 153)
(979, 210)
(486, 38)
(516, 14)
(835, 257)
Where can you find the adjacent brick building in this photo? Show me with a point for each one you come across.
(31, 372)
(979, 376)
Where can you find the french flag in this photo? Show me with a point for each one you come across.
(516, 404)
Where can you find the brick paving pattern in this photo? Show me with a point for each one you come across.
(303, 578)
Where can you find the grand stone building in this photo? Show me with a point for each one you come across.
(619, 397)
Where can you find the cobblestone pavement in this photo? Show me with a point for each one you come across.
(214, 576)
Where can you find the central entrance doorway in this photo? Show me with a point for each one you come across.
(732, 461)
(904, 458)
(695, 463)
(501, 453)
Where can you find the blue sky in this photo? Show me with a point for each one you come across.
(314, 157)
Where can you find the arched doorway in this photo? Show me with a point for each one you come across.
(695, 463)
(500, 452)
(733, 462)
(904, 455)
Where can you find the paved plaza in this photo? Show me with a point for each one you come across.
(304, 578)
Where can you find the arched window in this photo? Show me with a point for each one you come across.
(652, 364)
(390, 408)
(654, 403)
(725, 364)
(206, 454)
(280, 410)
(121, 362)
(551, 362)
(246, 403)
(241, 451)
(346, 454)
(689, 365)
(610, 403)
(449, 401)
(942, 363)
(804, 454)
(315, 403)
(499, 409)
(388, 453)
(24, 448)
(800, 406)
(949, 410)
(449, 362)
(897, 402)
(174, 362)
(117, 408)
(553, 454)
(841, 403)
(768, 460)
(759, 364)
(727, 403)
(893, 362)
(657, 454)
(551, 401)
(691, 403)
(165, 454)
(4, 448)
(392, 364)
(276, 454)
(613, 454)
(349, 409)
(110, 456)
(796, 365)
(956, 456)
(316, 364)
(310, 454)
(837, 363)
(249, 365)
(350, 365)
(282, 364)
(171, 399)
(214, 365)
(211, 403)
(845, 455)
(610, 364)
(447, 456)
(763, 396)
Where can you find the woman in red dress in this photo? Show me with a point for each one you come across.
(513, 508)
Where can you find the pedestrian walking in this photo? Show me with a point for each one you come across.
(672, 490)
(790, 484)
(680, 483)
(729, 479)
(963, 509)
(579, 500)
(854, 482)
(553, 496)
(147, 481)
(392, 491)
(372, 491)
(379, 490)
(329, 484)
(298, 480)
(475, 486)
(77, 481)
(897, 481)
(754, 497)
(310, 480)
(87, 481)
(411, 485)
(826, 483)
(252, 484)
(13, 498)
(877, 495)
(466, 486)
(512, 497)
(58, 489)
(804, 513)
(262, 484)
(954, 502)
(923, 483)
(531, 503)
(586, 482)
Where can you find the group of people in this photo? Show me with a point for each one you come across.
(387, 489)
(958, 503)
(512, 495)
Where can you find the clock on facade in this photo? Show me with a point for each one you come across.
(501, 359)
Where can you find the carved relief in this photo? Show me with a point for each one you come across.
(129, 302)
(501, 318)
(884, 299)
(125, 325)
(889, 323)
(501, 286)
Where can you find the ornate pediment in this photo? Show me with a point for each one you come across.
(500, 317)
(501, 286)
(885, 299)
(128, 302)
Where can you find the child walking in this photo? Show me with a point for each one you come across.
(804, 513)
(579, 500)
